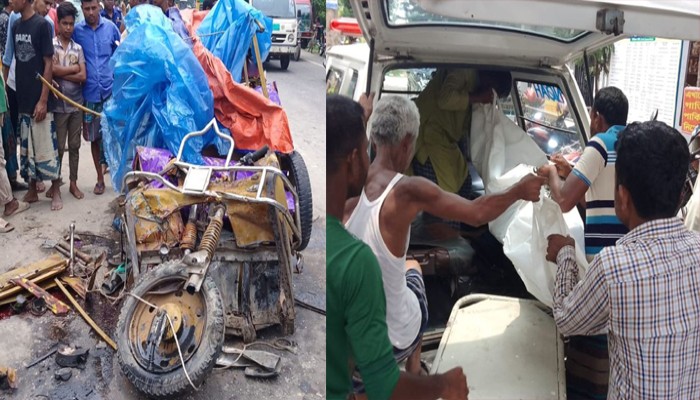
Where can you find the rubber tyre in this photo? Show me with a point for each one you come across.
(297, 53)
(199, 365)
(299, 176)
(284, 61)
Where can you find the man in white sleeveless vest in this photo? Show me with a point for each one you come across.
(381, 217)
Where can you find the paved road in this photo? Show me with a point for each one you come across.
(302, 91)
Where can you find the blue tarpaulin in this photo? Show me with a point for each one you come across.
(227, 31)
(160, 94)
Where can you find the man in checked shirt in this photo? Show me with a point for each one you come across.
(645, 290)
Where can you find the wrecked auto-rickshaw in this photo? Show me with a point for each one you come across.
(212, 250)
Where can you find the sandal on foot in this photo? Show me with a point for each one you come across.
(5, 226)
(21, 206)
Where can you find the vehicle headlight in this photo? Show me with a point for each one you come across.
(290, 37)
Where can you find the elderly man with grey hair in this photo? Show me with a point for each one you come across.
(381, 217)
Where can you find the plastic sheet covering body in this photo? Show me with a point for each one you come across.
(160, 94)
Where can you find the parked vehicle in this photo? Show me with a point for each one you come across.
(285, 32)
(533, 40)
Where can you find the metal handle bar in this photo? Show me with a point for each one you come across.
(201, 133)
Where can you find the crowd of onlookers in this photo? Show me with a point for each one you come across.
(56, 79)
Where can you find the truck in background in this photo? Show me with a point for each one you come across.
(284, 28)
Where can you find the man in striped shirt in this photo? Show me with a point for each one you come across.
(594, 176)
(645, 290)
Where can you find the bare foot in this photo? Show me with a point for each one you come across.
(56, 201)
(75, 191)
(40, 187)
(31, 196)
(49, 193)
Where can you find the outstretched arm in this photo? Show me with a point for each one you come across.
(427, 196)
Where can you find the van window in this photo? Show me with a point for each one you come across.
(333, 80)
(411, 82)
(409, 12)
(350, 90)
(547, 119)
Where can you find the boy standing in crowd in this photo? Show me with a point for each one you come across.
(69, 70)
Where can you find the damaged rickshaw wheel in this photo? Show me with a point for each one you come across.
(299, 176)
(146, 343)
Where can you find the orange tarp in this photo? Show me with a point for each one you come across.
(253, 120)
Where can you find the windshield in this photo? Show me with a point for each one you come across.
(276, 8)
(407, 13)
(305, 20)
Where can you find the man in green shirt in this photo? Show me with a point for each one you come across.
(11, 205)
(356, 333)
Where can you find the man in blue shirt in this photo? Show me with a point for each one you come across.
(113, 14)
(99, 38)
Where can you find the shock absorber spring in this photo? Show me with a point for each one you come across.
(189, 236)
(210, 238)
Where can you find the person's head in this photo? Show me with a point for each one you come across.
(66, 14)
(346, 143)
(41, 7)
(609, 108)
(109, 5)
(650, 170)
(394, 126)
(21, 5)
(91, 11)
(208, 5)
(500, 81)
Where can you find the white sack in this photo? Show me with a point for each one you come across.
(502, 154)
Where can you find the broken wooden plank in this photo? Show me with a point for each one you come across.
(15, 289)
(76, 284)
(44, 285)
(85, 316)
(32, 270)
(55, 305)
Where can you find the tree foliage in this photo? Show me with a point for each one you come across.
(319, 7)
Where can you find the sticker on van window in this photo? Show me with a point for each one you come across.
(548, 92)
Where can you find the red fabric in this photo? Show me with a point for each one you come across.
(253, 120)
